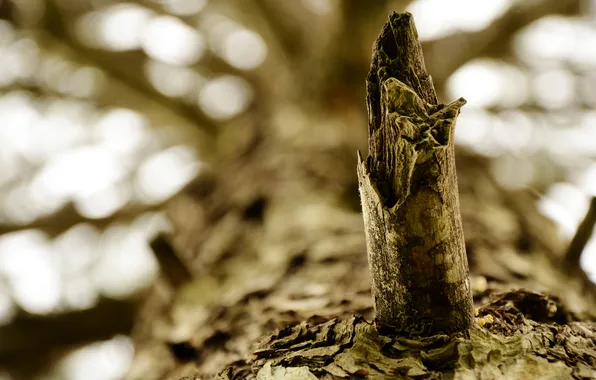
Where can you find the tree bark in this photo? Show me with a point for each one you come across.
(408, 186)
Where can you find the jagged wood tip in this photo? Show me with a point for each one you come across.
(408, 187)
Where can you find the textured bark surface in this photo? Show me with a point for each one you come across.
(258, 272)
(408, 186)
(518, 335)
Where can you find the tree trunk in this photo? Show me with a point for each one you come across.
(408, 186)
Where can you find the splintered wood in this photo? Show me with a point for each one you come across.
(408, 187)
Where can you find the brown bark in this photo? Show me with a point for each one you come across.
(408, 186)
(520, 335)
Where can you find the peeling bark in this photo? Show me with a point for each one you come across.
(529, 336)
(408, 187)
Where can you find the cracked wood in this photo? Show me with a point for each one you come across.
(408, 187)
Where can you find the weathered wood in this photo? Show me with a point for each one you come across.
(523, 335)
(408, 187)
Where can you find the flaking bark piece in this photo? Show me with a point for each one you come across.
(408, 188)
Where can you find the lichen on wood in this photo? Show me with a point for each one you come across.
(531, 336)
(408, 187)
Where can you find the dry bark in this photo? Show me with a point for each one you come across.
(408, 186)
(258, 272)
(522, 340)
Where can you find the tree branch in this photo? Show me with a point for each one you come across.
(6, 10)
(41, 333)
(174, 270)
(290, 32)
(68, 217)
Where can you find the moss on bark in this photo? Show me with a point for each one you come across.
(408, 187)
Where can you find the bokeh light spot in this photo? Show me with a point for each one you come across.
(121, 130)
(512, 172)
(225, 97)
(164, 174)
(169, 40)
(106, 360)
(513, 130)
(565, 204)
(120, 276)
(485, 82)
(81, 171)
(27, 259)
(79, 293)
(7, 33)
(545, 42)
(479, 82)
(171, 80)
(77, 248)
(103, 203)
(554, 88)
(244, 49)
(472, 127)
(121, 26)
(184, 7)
(437, 18)
(320, 7)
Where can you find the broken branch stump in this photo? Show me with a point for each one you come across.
(408, 188)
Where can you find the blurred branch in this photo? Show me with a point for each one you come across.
(537, 111)
(582, 236)
(125, 66)
(173, 269)
(357, 16)
(68, 217)
(285, 23)
(6, 10)
(344, 61)
(41, 333)
(445, 55)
